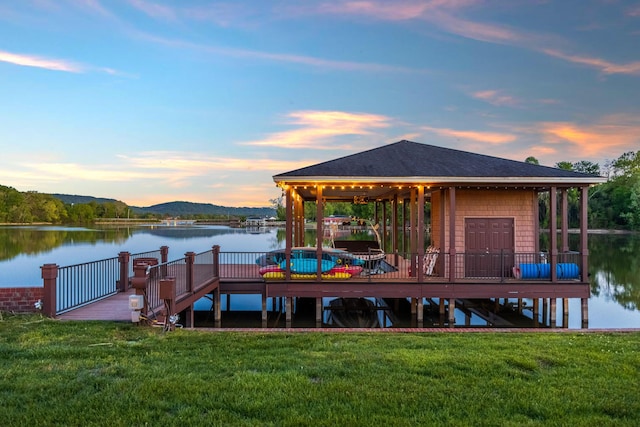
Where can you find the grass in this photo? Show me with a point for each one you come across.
(101, 373)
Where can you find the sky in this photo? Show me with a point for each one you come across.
(150, 101)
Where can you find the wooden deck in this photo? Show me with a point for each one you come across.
(245, 279)
(115, 307)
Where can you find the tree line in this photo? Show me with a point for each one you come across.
(614, 204)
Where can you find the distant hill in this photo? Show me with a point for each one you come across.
(72, 198)
(175, 208)
(189, 208)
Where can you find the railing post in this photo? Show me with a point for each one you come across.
(190, 258)
(164, 254)
(139, 283)
(123, 283)
(215, 251)
(50, 278)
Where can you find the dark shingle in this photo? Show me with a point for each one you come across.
(412, 159)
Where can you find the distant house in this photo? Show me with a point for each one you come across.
(254, 221)
(484, 220)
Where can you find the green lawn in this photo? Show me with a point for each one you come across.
(99, 373)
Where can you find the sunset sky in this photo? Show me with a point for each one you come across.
(150, 101)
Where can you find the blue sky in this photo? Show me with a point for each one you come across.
(155, 101)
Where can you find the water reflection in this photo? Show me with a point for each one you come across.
(613, 260)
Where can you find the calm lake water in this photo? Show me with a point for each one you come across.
(614, 260)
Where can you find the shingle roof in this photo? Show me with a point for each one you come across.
(412, 159)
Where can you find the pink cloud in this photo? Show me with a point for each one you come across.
(600, 64)
(480, 136)
(318, 128)
(495, 97)
(612, 135)
(39, 62)
(154, 10)
(634, 11)
(283, 57)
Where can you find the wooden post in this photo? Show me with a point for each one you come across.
(420, 235)
(452, 234)
(288, 307)
(215, 251)
(443, 235)
(264, 309)
(395, 237)
(584, 246)
(420, 312)
(49, 277)
(536, 311)
(552, 312)
(288, 233)
(190, 258)
(545, 310)
(413, 243)
(123, 260)
(565, 220)
(319, 231)
(452, 312)
(217, 314)
(319, 312)
(565, 312)
(585, 312)
(164, 254)
(383, 238)
(553, 233)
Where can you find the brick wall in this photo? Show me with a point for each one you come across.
(517, 204)
(20, 299)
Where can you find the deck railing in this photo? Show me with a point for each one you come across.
(73, 286)
(481, 266)
(81, 284)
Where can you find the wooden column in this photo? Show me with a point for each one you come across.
(319, 231)
(443, 235)
(395, 236)
(420, 236)
(584, 227)
(288, 307)
(217, 311)
(123, 282)
(452, 234)
(412, 231)
(553, 233)
(420, 312)
(565, 220)
(383, 238)
(565, 312)
(318, 312)
(452, 312)
(264, 309)
(404, 226)
(536, 222)
(288, 232)
(552, 312)
(536, 311)
(584, 302)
